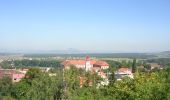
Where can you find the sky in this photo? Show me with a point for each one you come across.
(93, 25)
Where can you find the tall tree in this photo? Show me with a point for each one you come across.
(134, 66)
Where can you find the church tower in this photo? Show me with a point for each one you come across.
(88, 64)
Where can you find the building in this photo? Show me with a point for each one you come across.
(155, 66)
(123, 72)
(87, 64)
(23, 70)
(45, 69)
(15, 75)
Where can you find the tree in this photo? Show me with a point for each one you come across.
(39, 86)
(20, 90)
(112, 75)
(71, 82)
(150, 86)
(134, 66)
(5, 86)
(42, 88)
(32, 74)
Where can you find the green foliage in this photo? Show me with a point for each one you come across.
(71, 81)
(20, 90)
(32, 74)
(72, 89)
(124, 63)
(144, 86)
(151, 86)
(162, 61)
(42, 88)
(7, 98)
(38, 86)
(87, 93)
(134, 66)
(147, 66)
(31, 63)
(6, 64)
(113, 64)
(5, 86)
(65, 85)
(105, 55)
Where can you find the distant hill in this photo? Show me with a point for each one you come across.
(98, 55)
(165, 52)
(67, 51)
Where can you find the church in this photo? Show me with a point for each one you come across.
(87, 64)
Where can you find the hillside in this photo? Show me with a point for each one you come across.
(164, 54)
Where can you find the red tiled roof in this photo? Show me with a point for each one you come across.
(102, 63)
(9, 71)
(124, 69)
(77, 62)
(82, 62)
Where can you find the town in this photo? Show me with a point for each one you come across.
(97, 66)
(84, 71)
(84, 50)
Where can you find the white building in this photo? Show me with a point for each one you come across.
(123, 72)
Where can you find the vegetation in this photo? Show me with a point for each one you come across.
(114, 64)
(66, 85)
(30, 63)
(40, 86)
(134, 66)
(5, 86)
(162, 61)
(124, 63)
(101, 55)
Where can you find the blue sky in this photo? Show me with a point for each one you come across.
(93, 25)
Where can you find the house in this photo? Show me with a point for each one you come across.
(102, 74)
(141, 67)
(155, 66)
(23, 70)
(123, 72)
(15, 75)
(45, 69)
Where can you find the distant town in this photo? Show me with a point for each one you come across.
(99, 71)
(84, 49)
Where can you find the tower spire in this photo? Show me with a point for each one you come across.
(88, 64)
